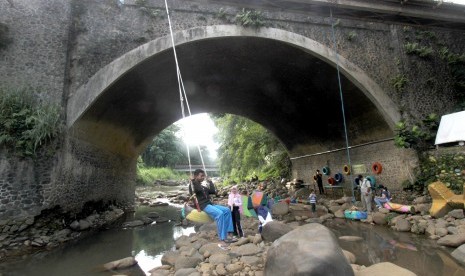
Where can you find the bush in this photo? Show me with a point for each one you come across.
(26, 122)
(250, 18)
(446, 168)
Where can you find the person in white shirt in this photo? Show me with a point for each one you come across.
(366, 194)
(235, 203)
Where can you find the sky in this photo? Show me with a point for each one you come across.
(199, 130)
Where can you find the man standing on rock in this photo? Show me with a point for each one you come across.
(319, 181)
(221, 214)
(365, 196)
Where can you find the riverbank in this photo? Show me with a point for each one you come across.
(289, 216)
(194, 253)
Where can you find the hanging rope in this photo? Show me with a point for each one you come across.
(342, 99)
(182, 92)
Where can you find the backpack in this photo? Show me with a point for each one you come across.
(388, 195)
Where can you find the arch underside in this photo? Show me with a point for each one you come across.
(286, 88)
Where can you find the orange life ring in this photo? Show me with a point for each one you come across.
(331, 181)
(346, 169)
(377, 168)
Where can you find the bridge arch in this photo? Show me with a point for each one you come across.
(91, 108)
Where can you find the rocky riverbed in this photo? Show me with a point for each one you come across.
(249, 256)
(199, 254)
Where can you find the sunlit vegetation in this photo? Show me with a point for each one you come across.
(248, 149)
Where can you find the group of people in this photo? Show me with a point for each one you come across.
(366, 194)
(228, 219)
(366, 191)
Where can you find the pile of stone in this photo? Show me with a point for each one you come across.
(51, 230)
(278, 250)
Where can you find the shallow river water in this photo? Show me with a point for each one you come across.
(148, 243)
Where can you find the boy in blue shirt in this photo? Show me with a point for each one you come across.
(312, 200)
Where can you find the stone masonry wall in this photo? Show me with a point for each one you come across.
(36, 55)
(397, 164)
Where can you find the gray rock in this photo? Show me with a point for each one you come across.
(385, 268)
(84, 224)
(152, 215)
(421, 199)
(350, 238)
(120, 264)
(339, 213)
(183, 241)
(74, 225)
(249, 249)
(430, 230)
(133, 223)
(323, 256)
(219, 258)
(280, 208)
(185, 272)
(169, 258)
(250, 260)
(379, 218)
(457, 213)
(452, 240)
(349, 256)
(161, 219)
(274, 230)
(186, 262)
(441, 231)
(403, 225)
(459, 254)
(233, 268)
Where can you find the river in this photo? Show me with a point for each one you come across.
(148, 243)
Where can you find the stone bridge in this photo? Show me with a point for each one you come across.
(315, 69)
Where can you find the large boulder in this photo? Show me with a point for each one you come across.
(273, 230)
(379, 218)
(280, 208)
(452, 240)
(120, 264)
(323, 256)
(459, 254)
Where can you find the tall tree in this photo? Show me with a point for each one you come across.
(165, 150)
(247, 148)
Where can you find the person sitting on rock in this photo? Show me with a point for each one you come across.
(221, 214)
(264, 216)
(385, 197)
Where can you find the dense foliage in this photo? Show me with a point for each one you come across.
(165, 150)
(420, 136)
(27, 122)
(247, 149)
(447, 168)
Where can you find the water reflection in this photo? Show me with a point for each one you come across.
(380, 244)
(85, 257)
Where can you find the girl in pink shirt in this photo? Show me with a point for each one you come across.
(235, 204)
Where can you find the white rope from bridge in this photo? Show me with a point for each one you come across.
(342, 100)
(182, 93)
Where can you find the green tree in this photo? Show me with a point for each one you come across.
(247, 148)
(165, 150)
